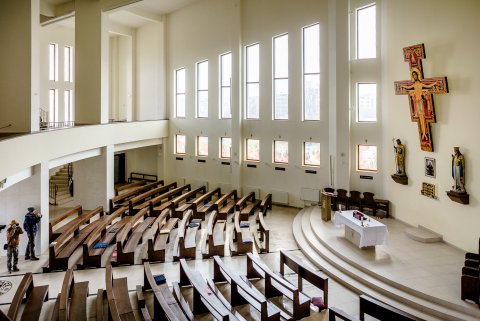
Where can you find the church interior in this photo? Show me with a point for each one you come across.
(182, 152)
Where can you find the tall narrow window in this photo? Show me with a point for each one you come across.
(53, 105)
(367, 158)
(252, 89)
(225, 147)
(366, 102)
(280, 154)
(226, 86)
(68, 64)
(311, 72)
(53, 62)
(311, 154)
(180, 144)
(366, 32)
(202, 146)
(180, 93)
(68, 104)
(253, 150)
(202, 89)
(280, 77)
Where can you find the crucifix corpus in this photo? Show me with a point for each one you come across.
(420, 94)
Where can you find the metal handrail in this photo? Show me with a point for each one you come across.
(52, 193)
(55, 125)
(70, 178)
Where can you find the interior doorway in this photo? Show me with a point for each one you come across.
(119, 168)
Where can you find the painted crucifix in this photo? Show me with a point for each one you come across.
(420, 94)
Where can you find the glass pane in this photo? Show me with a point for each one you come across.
(281, 99)
(311, 154)
(180, 105)
(253, 101)
(311, 98)
(367, 158)
(281, 152)
(51, 105)
(53, 62)
(366, 33)
(202, 76)
(253, 149)
(281, 56)
(311, 49)
(226, 103)
(226, 145)
(202, 146)
(66, 104)
(180, 144)
(253, 63)
(180, 85)
(202, 104)
(226, 62)
(67, 56)
(367, 102)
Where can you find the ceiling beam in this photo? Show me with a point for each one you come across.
(109, 5)
(153, 17)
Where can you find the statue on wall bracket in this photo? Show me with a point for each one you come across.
(420, 94)
(400, 175)
(458, 193)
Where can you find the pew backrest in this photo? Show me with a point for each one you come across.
(382, 311)
(243, 201)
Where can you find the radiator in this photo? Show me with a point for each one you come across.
(197, 183)
(279, 197)
(248, 189)
(310, 194)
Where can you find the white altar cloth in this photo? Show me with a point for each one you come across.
(371, 233)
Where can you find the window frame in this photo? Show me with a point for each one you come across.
(357, 47)
(197, 149)
(177, 93)
(247, 82)
(198, 90)
(221, 156)
(358, 159)
(304, 153)
(305, 74)
(68, 63)
(222, 86)
(53, 62)
(53, 112)
(275, 78)
(176, 152)
(246, 150)
(68, 105)
(358, 102)
(275, 152)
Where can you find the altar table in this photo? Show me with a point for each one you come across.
(370, 234)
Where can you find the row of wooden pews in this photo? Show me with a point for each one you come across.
(123, 199)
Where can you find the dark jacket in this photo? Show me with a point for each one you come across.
(30, 223)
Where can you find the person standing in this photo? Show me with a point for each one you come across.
(13, 232)
(30, 225)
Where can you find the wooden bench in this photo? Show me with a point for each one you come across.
(129, 237)
(118, 298)
(186, 245)
(255, 298)
(382, 311)
(177, 294)
(71, 304)
(247, 206)
(184, 202)
(166, 200)
(105, 232)
(224, 301)
(262, 236)
(226, 205)
(141, 201)
(470, 284)
(33, 296)
(166, 194)
(215, 238)
(203, 298)
(205, 203)
(165, 306)
(127, 187)
(52, 235)
(334, 313)
(63, 247)
(142, 307)
(160, 231)
(122, 200)
(142, 177)
(101, 305)
(304, 272)
(257, 269)
(241, 241)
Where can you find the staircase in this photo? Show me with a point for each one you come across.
(60, 179)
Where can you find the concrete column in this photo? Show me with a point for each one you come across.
(91, 63)
(19, 65)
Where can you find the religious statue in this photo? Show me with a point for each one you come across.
(458, 171)
(400, 175)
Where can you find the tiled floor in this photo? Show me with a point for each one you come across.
(281, 237)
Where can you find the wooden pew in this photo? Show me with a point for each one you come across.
(257, 269)
(165, 307)
(52, 235)
(118, 298)
(177, 294)
(129, 237)
(470, 284)
(166, 200)
(184, 202)
(63, 247)
(138, 202)
(334, 313)
(166, 194)
(161, 228)
(382, 311)
(205, 203)
(71, 302)
(262, 236)
(203, 298)
(101, 305)
(127, 187)
(105, 232)
(122, 200)
(185, 245)
(215, 238)
(247, 206)
(305, 272)
(33, 296)
(247, 294)
(226, 205)
(142, 307)
(241, 241)
(223, 300)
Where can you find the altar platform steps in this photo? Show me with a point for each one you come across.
(324, 246)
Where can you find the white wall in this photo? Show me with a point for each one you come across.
(448, 31)
(142, 160)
